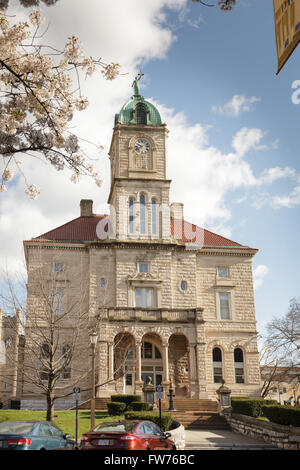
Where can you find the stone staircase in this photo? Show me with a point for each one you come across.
(197, 414)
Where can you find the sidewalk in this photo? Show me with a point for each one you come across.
(223, 440)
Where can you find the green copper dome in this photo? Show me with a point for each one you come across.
(138, 110)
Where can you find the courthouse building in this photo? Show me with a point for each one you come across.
(176, 301)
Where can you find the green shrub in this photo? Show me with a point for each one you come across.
(166, 418)
(282, 414)
(115, 408)
(127, 399)
(249, 406)
(139, 406)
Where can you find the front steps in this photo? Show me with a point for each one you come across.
(191, 404)
(197, 414)
(201, 420)
(190, 412)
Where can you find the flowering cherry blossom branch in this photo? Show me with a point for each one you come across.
(38, 98)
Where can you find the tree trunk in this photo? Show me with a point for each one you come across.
(50, 405)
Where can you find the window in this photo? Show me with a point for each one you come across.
(144, 297)
(58, 302)
(141, 113)
(239, 366)
(45, 354)
(143, 267)
(131, 215)
(66, 351)
(150, 351)
(142, 214)
(154, 218)
(45, 430)
(224, 306)
(58, 267)
(102, 282)
(129, 379)
(57, 432)
(130, 353)
(183, 286)
(223, 272)
(217, 365)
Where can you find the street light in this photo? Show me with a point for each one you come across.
(93, 340)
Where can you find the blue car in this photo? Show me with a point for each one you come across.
(33, 435)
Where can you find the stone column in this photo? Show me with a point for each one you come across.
(102, 365)
(111, 361)
(192, 361)
(201, 370)
(166, 362)
(138, 368)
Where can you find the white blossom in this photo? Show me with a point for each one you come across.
(7, 175)
(81, 103)
(36, 17)
(32, 191)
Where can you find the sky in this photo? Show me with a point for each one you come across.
(233, 148)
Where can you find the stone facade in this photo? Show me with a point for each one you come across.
(11, 356)
(163, 299)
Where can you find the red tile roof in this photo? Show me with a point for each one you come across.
(187, 232)
(83, 229)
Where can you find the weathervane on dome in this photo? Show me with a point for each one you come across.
(135, 84)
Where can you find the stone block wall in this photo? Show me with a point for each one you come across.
(285, 437)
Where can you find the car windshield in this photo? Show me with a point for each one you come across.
(15, 427)
(115, 427)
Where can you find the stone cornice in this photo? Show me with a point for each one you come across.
(172, 245)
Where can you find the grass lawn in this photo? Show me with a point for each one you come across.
(65, 420)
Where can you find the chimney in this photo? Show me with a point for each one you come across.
(177, 211)
(86, 208)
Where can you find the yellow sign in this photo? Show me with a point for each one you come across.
(287, 28)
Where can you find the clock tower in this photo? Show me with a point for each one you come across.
(139, 194)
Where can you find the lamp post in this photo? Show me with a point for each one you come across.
(93, 339)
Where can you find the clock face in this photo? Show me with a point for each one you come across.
(142, 146)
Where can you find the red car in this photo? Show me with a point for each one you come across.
(126, 435)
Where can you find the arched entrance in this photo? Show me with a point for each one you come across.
(151, 361)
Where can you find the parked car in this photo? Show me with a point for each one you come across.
(33, 435)
(126, 435)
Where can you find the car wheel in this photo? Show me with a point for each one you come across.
(174, 447)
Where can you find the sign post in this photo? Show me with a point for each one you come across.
(76, 395)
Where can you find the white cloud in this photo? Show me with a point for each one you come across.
(273, 174)
(289, 201)
(237, 105)
(246, 139)
(259, 274)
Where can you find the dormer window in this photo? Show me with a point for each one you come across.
(141, 113)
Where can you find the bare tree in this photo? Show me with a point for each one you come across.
(283, 335)
(57, 318)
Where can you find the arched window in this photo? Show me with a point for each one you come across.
(43, 365)
(154, 218)
(217, 365)
(131, 216)
(239, 366)
(141, 113)
(142, 214)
